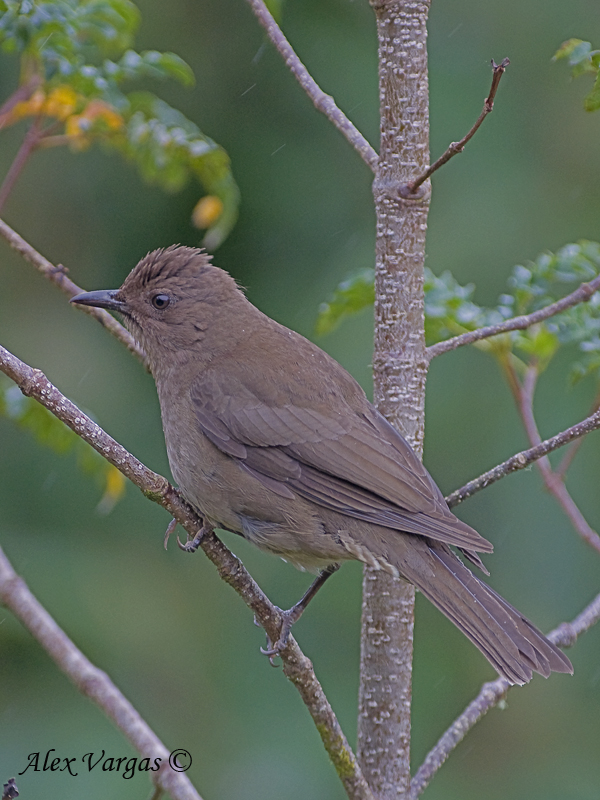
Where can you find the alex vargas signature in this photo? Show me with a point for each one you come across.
(179, 760)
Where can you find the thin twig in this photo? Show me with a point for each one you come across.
(91, 681)
(296, 666)
(322, 102)
(458, 147)
(568, 457)
(24, 92)
(553, 482)
(524, 458)
(58, 276)
(28, 145)
(489, 696)
(580, 295)
(57, 140)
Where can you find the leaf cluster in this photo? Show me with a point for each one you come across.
(86, 45)
(583, 60)
(450, 308)
(79, 53)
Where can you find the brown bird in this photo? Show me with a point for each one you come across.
(270, 438)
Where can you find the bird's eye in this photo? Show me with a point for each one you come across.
(161, 301)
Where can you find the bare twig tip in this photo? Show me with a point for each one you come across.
(499, 70)
(458, 147)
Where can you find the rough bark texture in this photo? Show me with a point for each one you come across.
(400, 367)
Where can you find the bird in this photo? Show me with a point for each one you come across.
(271, 438)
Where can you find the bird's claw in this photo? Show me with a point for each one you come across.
(292, 615)
(192, 544)
(170, 528)
(274, 649)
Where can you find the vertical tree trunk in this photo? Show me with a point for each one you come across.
(400, 369)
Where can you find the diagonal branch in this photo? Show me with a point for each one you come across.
(489, 696)
(580, 295)
(568, 457)
(525, 458)
(91, 681)
(457, 147)
(554, 483)
(296, 666)
(58, 276)
(28, 145)
(24, 92)
(322, 102)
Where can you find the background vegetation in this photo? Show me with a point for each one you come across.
(173, 637)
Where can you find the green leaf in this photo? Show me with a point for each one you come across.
(583, 59)
(450, 308)
(87, 46)
(592, 100)
(169, 149)
(567, 48)
(63, 31)
(539, 342)
(350, 297)
(590, 363)
(171, 66)
(50, 432)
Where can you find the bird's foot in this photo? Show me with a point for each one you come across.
(193, 544)
(287, 620)
(294, 613)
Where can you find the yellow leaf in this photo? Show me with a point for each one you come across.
(25, 108)
(76, 128)
(113, 490)
(61, 103)
(207, 211)
(98, 110)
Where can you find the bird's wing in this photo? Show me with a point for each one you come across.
(352, 462)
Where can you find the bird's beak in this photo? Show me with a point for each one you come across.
(107, 298)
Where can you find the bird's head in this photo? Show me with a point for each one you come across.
(172, 301)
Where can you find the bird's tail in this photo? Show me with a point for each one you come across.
(512, 644)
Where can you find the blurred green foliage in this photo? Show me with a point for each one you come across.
(50, 432)
(172, 636)
(450, 309)
(352, 295)
(583, 60)
(85, 46)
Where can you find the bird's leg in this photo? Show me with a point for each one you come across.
(193, 544)
(293, 614)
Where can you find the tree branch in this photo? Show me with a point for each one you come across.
(524, 458)
(28, 145)
(490, 695)
(399, 374)
(24, 92)
(296, 666)
(554, 483)
(580, 295)
(458, 147)
(568, 457)
(91, 681)
(58, 276)
(322, 102)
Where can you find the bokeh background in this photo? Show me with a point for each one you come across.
(172, 636)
